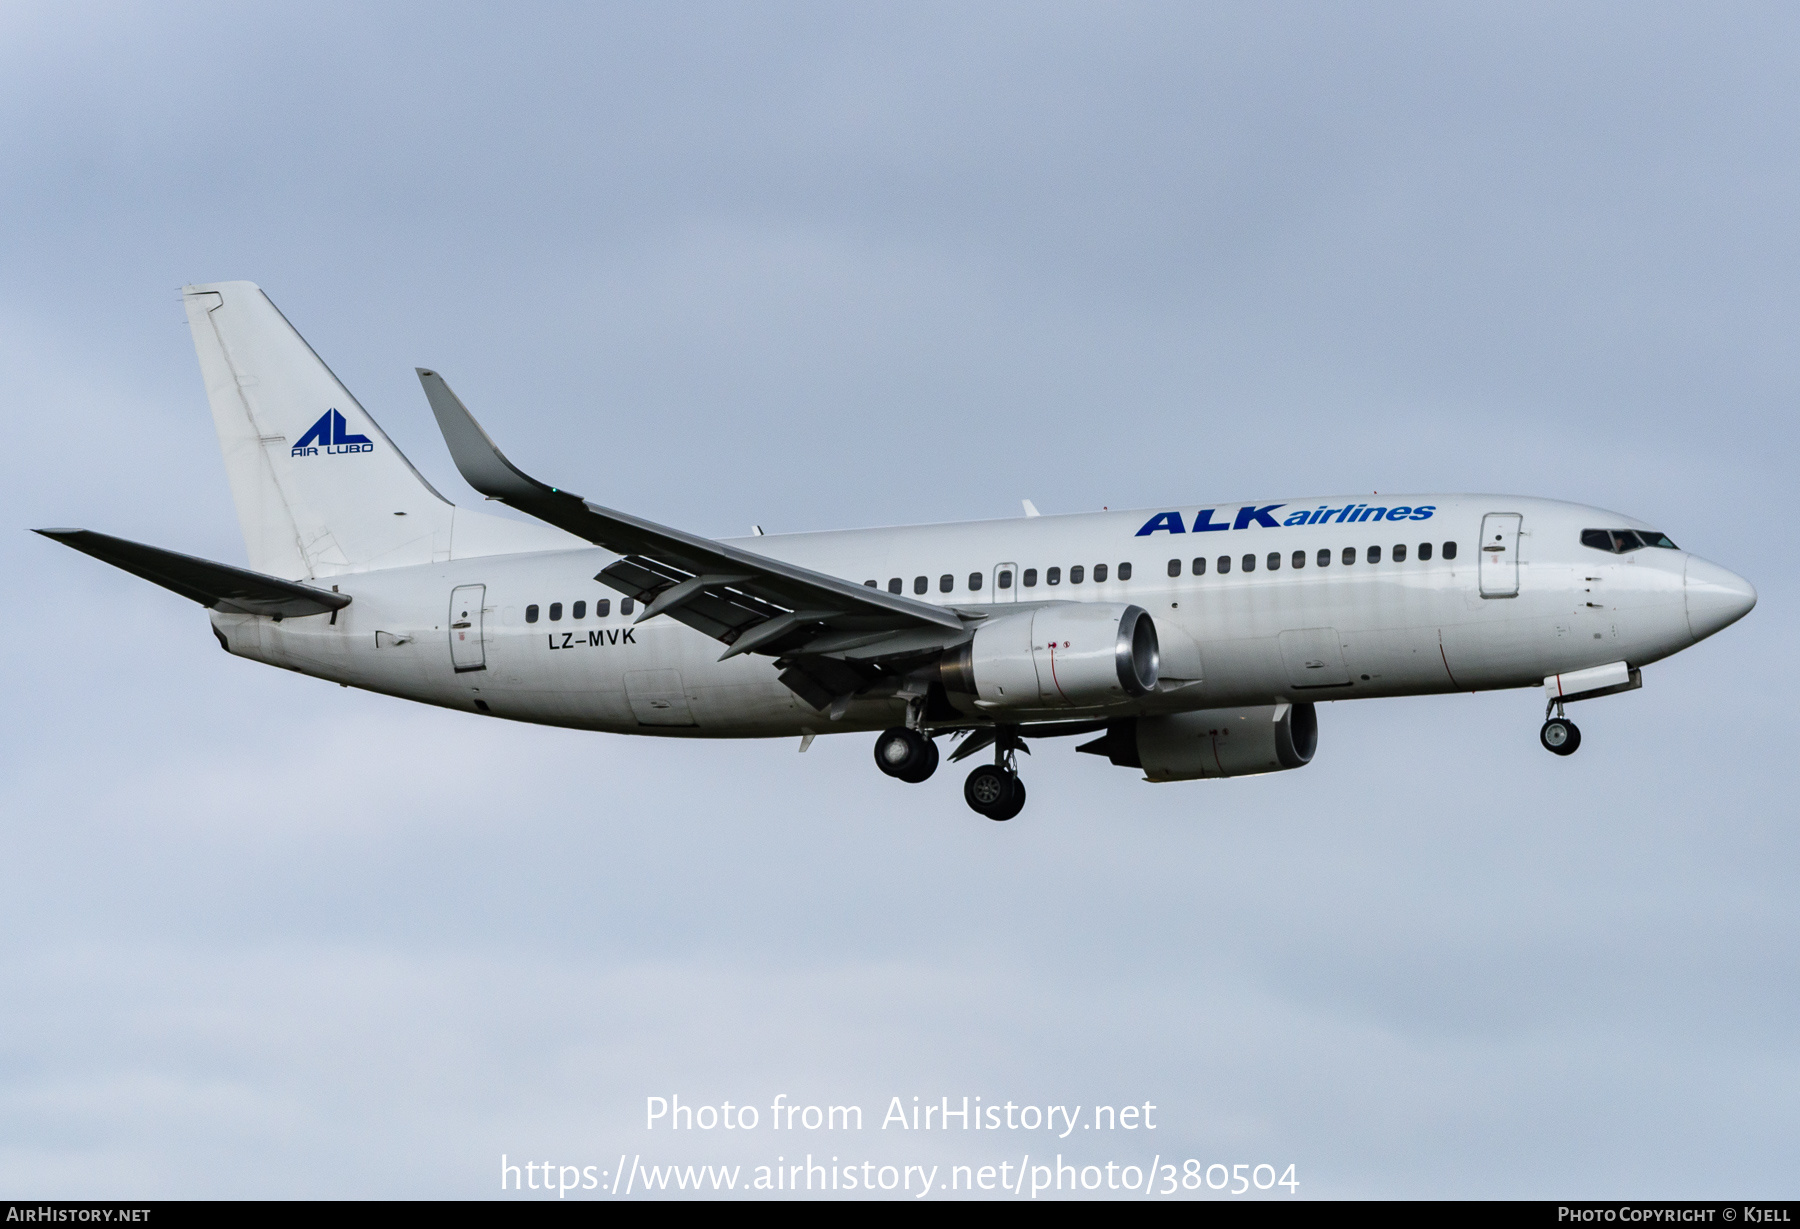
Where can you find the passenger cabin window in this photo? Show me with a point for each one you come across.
(602, 608)
(625, 605)
(555, 611)
(1030, 578)
(974, 582)
(531, 614)
(872, 584)
(1249, 563)
(1374, 554)
(894, 585)
(1399, 552)
(1200, 566)
(946, 583)
(1224, 564)
(1299, 560)
(578, 610)
(1349, 555)
(1274, 561)
(1099, 573)
(1324, 556)
(1623, 541)
(921, 584)
(1124, 571)
(1449, 550)
(1424, 552)
(1174, 567)
(1053, 576)
(1004, 580)
(1077, 574)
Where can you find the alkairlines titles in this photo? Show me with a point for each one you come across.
(1250, 516)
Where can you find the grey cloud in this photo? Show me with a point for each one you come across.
(267, 936)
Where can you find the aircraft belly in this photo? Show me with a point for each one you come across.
(1237, 668)
(1349, 634)
(662, 680)
(1395, 661)
(1500, 652)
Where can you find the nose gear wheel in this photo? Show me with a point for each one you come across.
(1560, 736)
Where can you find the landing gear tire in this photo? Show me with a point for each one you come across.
(906, 755)
(925, 767)
(1560, 736)
(994, 792)
(1013, 806)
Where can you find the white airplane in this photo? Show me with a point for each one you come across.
(1194, 642)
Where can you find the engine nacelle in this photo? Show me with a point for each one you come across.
(1214, 742)
(1069, 655)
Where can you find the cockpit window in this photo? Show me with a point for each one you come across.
(1622, 541)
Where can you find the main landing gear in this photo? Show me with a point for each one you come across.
(993, 790)
(906, 754)
(1560, 736)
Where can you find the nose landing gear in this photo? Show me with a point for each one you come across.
(1559, 735)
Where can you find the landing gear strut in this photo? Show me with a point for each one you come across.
(1560, 736)
(994, 790)
(906, 754)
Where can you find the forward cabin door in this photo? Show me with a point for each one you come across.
(1006, 582)
(467, 650)
(1500, 554)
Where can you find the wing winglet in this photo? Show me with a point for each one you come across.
(768, 579)
(482, 463)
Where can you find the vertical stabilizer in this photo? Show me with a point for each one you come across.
(319, 487)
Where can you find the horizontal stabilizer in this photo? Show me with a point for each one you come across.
(216, 586)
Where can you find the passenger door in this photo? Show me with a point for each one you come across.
(468, 651)
(1500, 554)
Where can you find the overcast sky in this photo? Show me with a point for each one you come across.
(824, 266)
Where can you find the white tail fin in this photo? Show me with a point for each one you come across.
(319, 487)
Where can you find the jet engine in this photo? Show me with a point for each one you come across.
(1066, 655)
(1214, 742)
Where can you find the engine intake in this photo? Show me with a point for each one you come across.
(1214, 742)
(1067, 655)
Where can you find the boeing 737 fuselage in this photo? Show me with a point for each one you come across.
(1190, 642)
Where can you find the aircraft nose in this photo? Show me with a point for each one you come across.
(1716, 598)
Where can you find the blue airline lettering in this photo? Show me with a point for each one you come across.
(1251, 516)
(1260, 516)
(1169, 521)
(332, 431)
